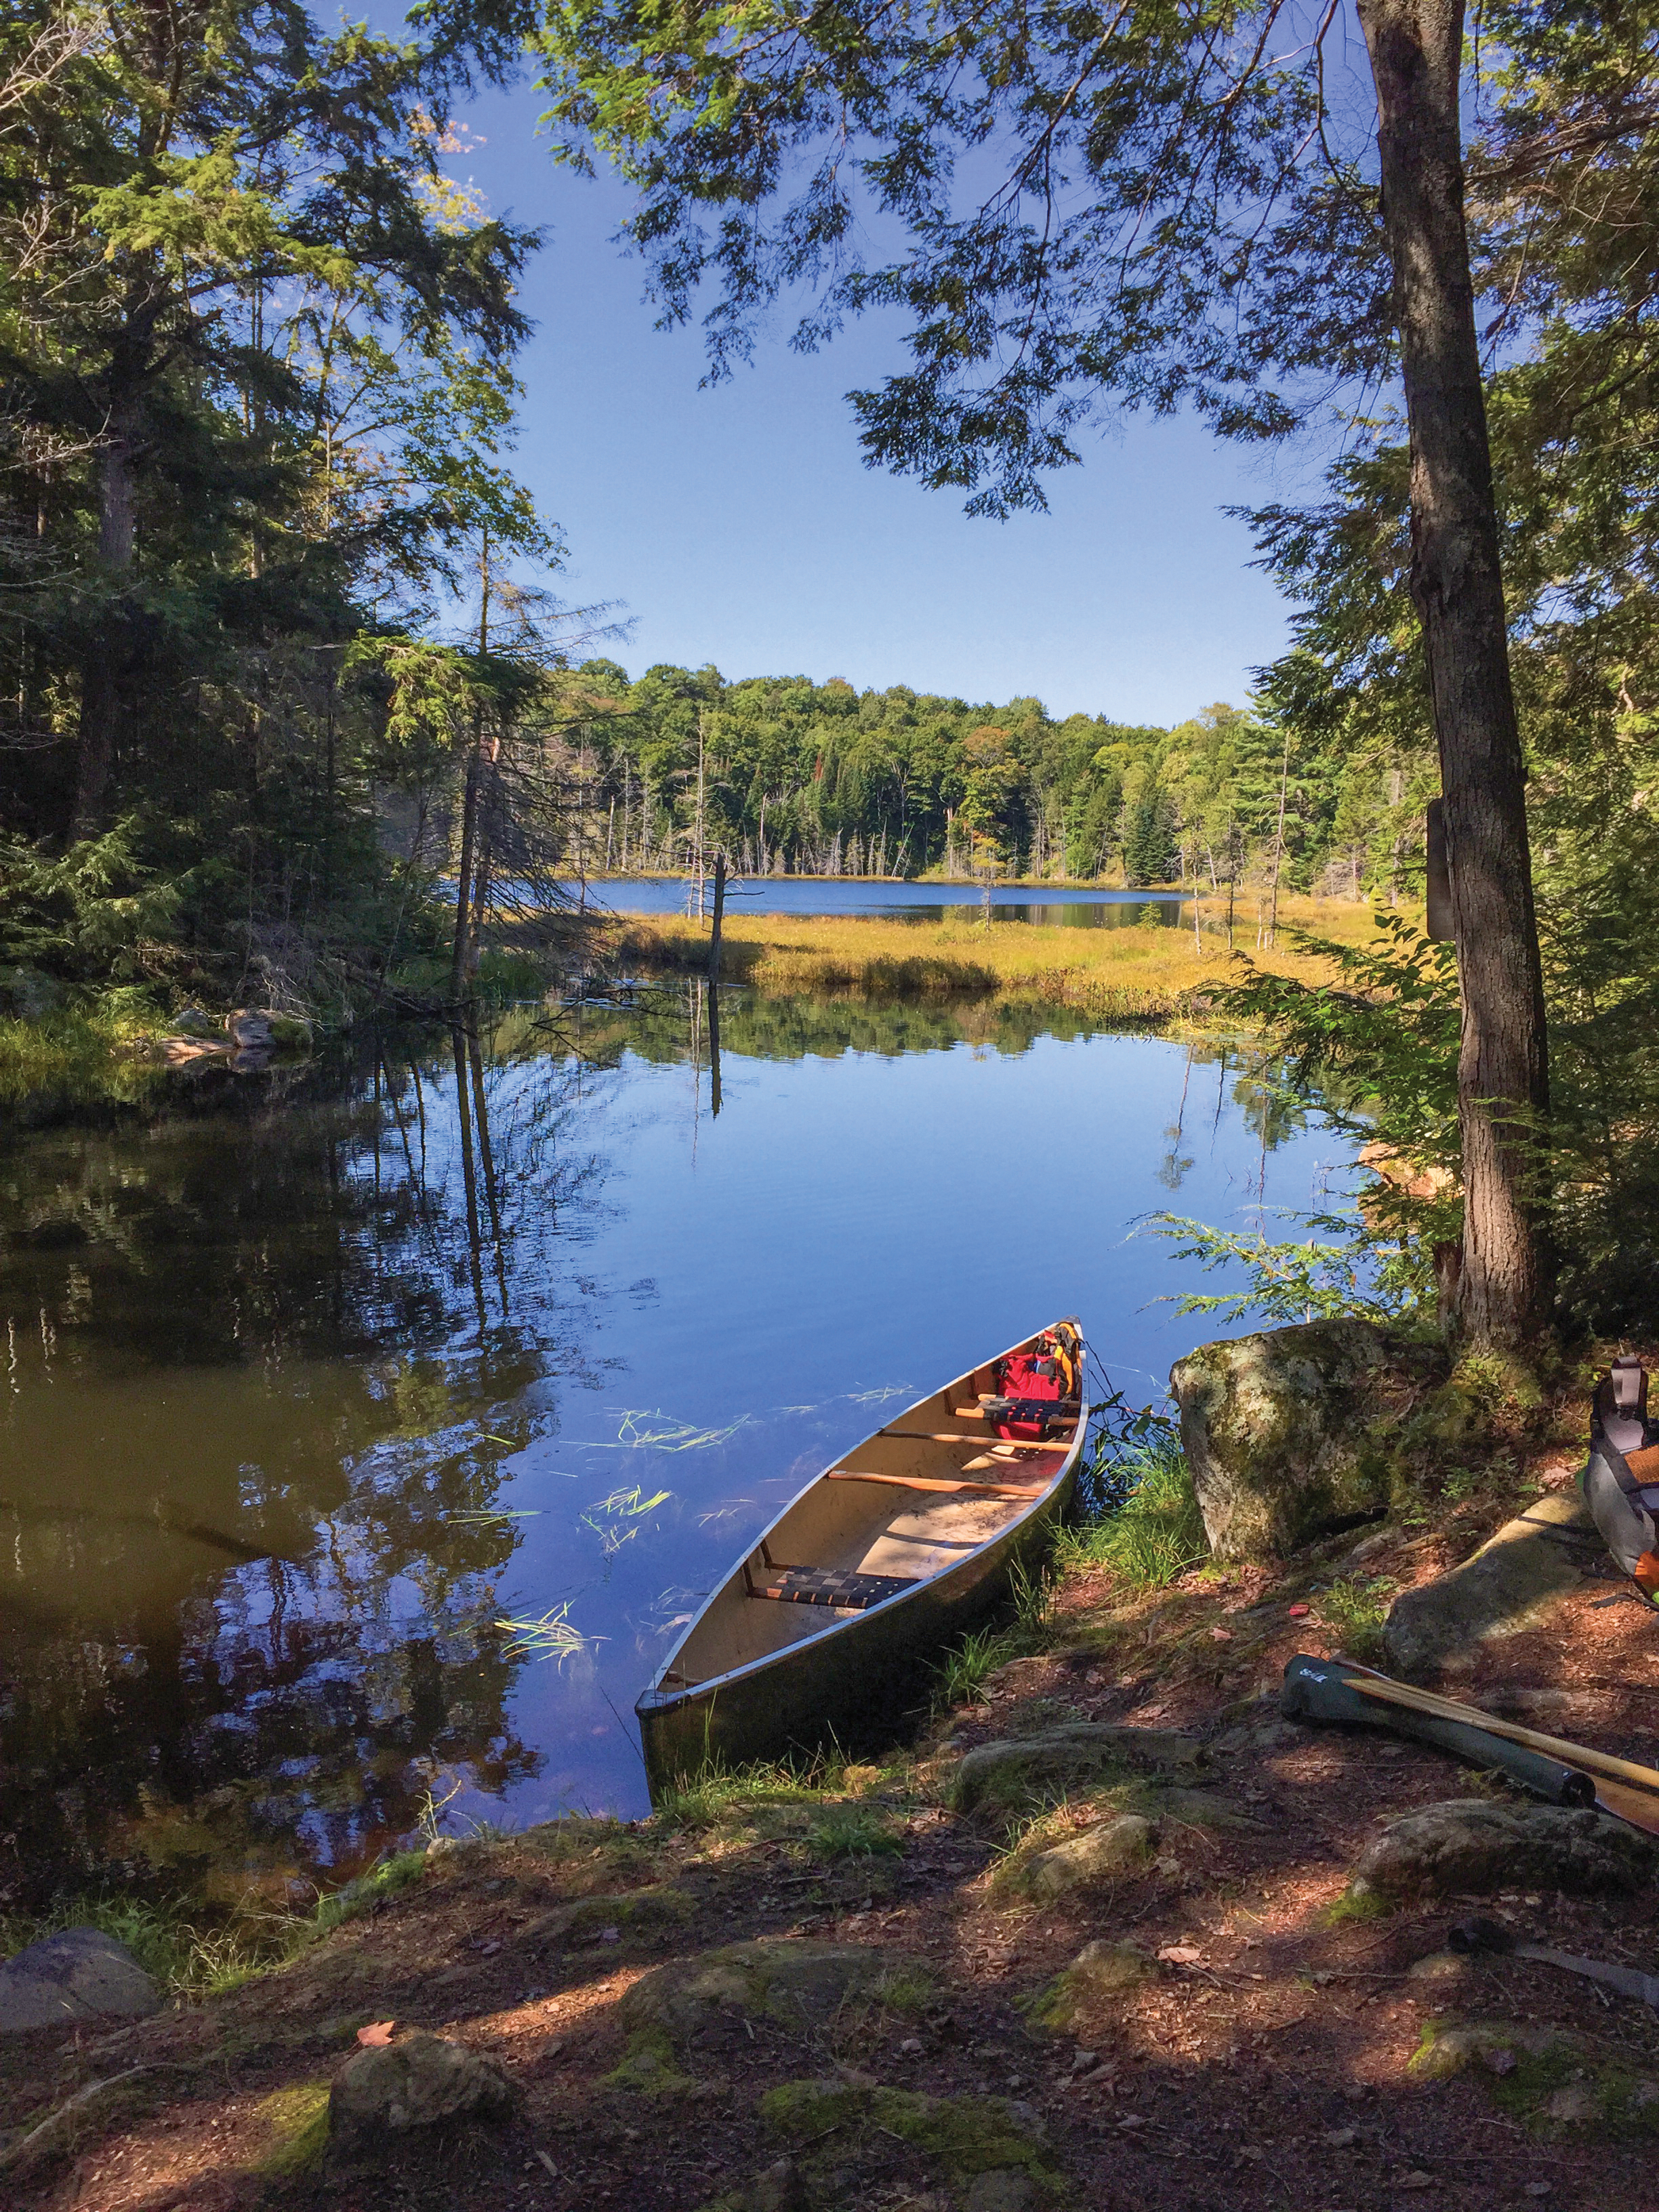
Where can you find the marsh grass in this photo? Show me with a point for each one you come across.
(549, 1635)
(81, 1055)
(1148, 972)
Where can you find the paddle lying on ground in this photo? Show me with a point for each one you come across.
(1481, 1935)
(1562, 1772)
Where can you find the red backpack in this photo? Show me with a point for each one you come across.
(1030, 1376)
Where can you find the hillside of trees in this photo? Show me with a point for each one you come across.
(788, 776)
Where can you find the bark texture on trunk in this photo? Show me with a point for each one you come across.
(101, 678)
(1503, 1082)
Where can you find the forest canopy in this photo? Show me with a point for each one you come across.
(257, 357)
(784, 775)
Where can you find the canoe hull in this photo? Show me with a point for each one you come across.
(850, 1686)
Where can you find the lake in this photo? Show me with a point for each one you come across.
(1063, 908)
(313, 1379)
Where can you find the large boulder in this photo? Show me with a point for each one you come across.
(1511, 1583)
(1471, 1847)
(79, 1974)
(1286, 1432)
(419, 2082)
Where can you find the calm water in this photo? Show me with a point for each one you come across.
(898, 902)
(312, 1381)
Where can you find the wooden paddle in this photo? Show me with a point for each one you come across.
(1390, 1693)
(1626, 1804)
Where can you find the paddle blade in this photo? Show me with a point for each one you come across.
(1635, 1806)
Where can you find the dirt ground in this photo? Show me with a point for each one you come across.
(1267, 2061)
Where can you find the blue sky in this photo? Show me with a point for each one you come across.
(740, 525)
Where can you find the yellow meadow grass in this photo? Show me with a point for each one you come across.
(1148, 971)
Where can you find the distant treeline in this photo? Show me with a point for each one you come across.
(785, 775)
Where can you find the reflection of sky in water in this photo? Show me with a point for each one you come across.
(282, 1443)
(897, 901)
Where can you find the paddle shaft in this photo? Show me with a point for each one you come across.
(1449, 1709)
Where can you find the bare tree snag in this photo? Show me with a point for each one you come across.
(100, 679)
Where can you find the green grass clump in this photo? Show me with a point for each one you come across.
(369, 1890)
(907, 1990)
(962, 1673)
(298, 2121)
(1354, 1608)
(960, 1677)
(191, 1958)
(183, 1957)
(716, 1792)
(853, 1832)
(1156, 1535)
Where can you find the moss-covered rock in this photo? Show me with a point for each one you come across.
(1471, 1847)
(1021, 1772)
(1110, 1848)
(639, 1913)
(419, 2082)
(1100, 1975)
(801, 1985)
(1287, 1431)
(1553, 2081)
(297, 2123)
(646, 2067)
(962, 2140)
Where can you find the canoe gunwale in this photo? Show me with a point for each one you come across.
(665, 1694)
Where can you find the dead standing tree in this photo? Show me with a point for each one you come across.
(1189, 209)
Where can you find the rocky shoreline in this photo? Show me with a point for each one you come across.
(1115, 1932)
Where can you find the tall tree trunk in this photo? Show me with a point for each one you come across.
(101, 684)
(1503, 1081)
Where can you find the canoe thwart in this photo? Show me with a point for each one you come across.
(824, 1586)
(940, 1482)
(963, 1436)
(1050, 1411)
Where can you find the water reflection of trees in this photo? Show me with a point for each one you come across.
(660, 1026)
(266, 1363)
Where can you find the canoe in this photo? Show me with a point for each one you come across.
(825, 1628)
